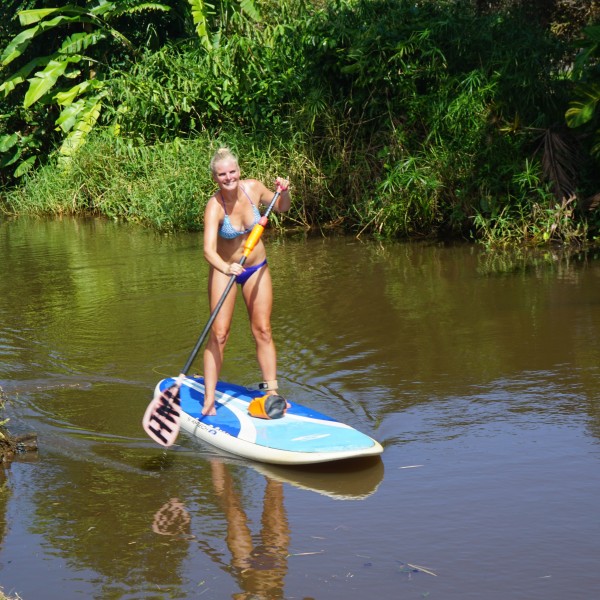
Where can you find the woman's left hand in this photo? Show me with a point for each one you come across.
(281, 184)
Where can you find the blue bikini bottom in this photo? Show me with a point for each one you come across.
(249, 271)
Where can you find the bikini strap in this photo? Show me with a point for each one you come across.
(245, 193)
(247, 196)
(223, 203)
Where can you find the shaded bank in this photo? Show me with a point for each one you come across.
(12, 444)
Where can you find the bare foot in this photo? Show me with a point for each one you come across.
(209, 410)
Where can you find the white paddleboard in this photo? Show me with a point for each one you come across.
(302, 436)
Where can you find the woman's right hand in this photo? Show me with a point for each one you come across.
(234, 269)
(282, 184)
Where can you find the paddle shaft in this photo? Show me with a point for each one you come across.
(249, 245)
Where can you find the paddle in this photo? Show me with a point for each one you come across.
(162, 418)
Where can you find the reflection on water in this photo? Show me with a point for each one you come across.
(480, 376)
(348, 480)
(172, 519)
(258, 563)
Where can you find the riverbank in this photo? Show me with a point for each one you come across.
(11, 444)
(162, 187)
(5, 445)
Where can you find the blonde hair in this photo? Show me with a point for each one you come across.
(222, 153)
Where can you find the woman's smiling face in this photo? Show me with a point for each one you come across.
(227, 173)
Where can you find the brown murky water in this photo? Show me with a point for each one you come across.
(482, 382)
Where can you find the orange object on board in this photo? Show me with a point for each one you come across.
(268, 407)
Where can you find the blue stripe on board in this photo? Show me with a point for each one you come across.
(243, 393)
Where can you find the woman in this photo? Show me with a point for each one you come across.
(229, 217)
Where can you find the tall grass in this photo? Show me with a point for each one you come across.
(164, 186)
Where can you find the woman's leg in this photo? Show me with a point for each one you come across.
(258, 295)
(215, 347)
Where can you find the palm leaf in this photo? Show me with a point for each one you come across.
(67, 97)
(43, 81)
(581, 111)
(199, 13)
(29, 17)
(70, 114)
(8, 141)
(21, 75)
(21, 41)
(119, 10)
(589, 45)
(10, 158)
(25, 166)
(248, 7)
(78, 42)
(88, 116)
(18, 45)
(560, 158)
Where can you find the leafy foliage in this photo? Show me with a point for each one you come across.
(404, 118)
(50, 77)
(583, 108)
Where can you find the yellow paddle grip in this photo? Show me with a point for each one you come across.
(254, 236)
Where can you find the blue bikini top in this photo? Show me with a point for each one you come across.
(227, 230)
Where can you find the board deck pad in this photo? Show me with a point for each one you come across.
(302, 436)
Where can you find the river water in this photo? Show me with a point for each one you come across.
(480, 376)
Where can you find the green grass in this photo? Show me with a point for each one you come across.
(164, 186)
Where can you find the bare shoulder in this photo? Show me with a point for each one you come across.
(252, 185)
(213, 207)
(257, 190)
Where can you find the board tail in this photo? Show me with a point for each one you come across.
(162, 418)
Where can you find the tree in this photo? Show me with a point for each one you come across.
(64, 91)
(66, 85)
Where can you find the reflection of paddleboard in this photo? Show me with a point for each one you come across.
(354, 479)
(302, 436)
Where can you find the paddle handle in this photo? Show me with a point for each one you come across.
(249, 245)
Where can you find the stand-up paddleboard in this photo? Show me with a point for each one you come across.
(302, 436)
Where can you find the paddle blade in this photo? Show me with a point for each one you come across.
(162, 418)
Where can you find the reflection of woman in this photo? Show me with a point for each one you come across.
(260, 568)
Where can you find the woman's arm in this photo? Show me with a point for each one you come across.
(285, 200)
(265, 195)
